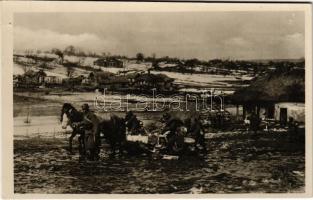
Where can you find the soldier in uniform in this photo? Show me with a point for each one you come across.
(132, 123)
(254, 122)
(172, 124)
(196, 131)
(91, 137)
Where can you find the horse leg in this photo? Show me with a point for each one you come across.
(84, 142)
(71, 141)
(97, 145)
(92, 154)
(81, 141)
(119, 148)
(112, 145)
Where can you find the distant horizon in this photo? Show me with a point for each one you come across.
(131, 57)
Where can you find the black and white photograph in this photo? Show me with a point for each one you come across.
(160, 102)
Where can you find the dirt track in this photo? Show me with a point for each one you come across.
(234, 164)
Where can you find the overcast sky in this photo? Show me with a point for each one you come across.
(203, 35)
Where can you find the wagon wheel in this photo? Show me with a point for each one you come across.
(210, 116)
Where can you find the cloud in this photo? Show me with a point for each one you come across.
(236, 47)
(203, 35)
(46, 39)
(293, 45)
(295, 37)
(237, 42)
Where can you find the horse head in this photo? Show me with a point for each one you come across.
(65, 109)
(65, 114)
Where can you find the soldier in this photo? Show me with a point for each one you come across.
(132, 123)
(292, 129)
(196, 131)
(254, 122)
(92, 138)
(171, 127)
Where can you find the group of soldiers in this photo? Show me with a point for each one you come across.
(174, 128)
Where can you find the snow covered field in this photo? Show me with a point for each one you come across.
(190, 80)
(44, 126)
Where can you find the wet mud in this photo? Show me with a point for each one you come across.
(267, 163)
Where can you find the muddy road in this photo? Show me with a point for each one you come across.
(235, 163)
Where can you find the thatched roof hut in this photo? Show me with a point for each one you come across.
(109, 62)
(286, 86)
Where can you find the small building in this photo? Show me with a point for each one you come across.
(278, 96)
(16, 80)
(285, 110)
(114, 83)
(35, 77)
(131, 77)
(160, 82)
(53, 80)
(109, 62)
(73, 81)
(96, 78)
(106, 80)
(30, 79)
(87, 81)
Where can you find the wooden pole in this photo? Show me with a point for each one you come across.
(258, 110)
(244, 111)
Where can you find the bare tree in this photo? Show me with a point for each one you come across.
(70, 50)
(59, 53)
(28, 52)
(140, 56)
(70, 72)
(70, 68)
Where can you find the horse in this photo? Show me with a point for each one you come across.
(69, 116)
(113, 130)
